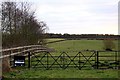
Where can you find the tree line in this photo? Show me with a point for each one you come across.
(19, 25)
(83, 36)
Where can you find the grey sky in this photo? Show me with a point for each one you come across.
(78, 16)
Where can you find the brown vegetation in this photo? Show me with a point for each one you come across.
(109, 45)
(6, 65)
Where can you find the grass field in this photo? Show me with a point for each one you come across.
(69, 45)
(77, 45)
(68, 73)
(53, 39)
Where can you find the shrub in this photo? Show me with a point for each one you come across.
(109, 45)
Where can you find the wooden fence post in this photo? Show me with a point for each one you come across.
(29, 60)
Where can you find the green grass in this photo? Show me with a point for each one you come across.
(77, 45)
(70, 45)
(59, 73)
(54, 39)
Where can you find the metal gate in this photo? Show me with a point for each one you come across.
(80, 60)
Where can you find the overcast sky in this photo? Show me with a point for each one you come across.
(78, 16)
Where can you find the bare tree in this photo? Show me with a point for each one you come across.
(20, 26)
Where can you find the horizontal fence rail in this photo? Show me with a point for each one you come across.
(22, 50)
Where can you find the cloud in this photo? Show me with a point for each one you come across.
(79, 16)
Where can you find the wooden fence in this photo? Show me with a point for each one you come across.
(21, 51)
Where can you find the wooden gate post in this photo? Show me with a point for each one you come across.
(29, 60)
